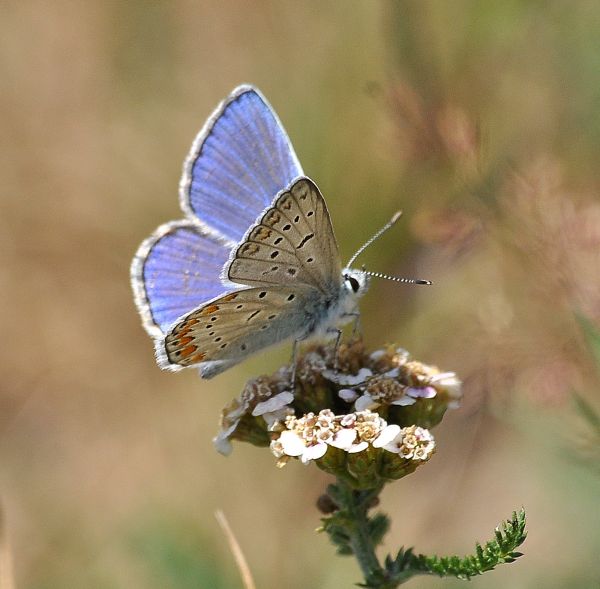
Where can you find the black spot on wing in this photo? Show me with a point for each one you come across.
(253, 315)
(305, 239)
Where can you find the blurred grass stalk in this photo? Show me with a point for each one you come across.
(6, 570)
(236, 551)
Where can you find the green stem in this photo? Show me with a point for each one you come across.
(363, 548)
(356, 504)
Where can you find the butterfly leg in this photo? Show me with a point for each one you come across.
(338, 337)
(294, 359)
(356, 327)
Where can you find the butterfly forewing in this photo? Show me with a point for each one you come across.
(293, 242)
(240, 323)
(239, 161)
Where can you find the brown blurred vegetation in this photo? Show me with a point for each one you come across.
(478, 119)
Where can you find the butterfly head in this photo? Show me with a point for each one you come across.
(356, 282)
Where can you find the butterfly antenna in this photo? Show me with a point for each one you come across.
(364, 246)
(396, 279)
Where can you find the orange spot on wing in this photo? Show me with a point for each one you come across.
(263, 233)
(185, 326)
(210, 309)
(249, 249)
(183, 341)
(185, 352)
(198, 357)
(230, 297)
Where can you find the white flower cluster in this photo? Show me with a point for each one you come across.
(411, 443)
(309, 437)
(389, 388)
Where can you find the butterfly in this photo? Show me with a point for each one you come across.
(254, 261)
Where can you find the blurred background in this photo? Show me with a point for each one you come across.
(478, 119)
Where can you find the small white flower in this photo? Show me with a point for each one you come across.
(348, 395)
(404, 401)
(427, 392)
(383, 389)
(377, 355)
(365, 402)
(291, 443)
(313, 452)
(275, 418)
(273, 404)
(410, 443)
(423, 435)
(277, 448)
(450, 383)
(358, 447)
(325, 419)
(343, 438)
(419, 454)
(387, 436)
(348, 420)
(369, 425)
(222, 443)
(348, 379)
(405, 452)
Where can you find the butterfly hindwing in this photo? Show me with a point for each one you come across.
(175, 270)
(229, 328)
(293, 242)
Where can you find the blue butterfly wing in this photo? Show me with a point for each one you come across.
(176, 270)
(238, 163)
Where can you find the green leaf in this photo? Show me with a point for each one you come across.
(378, 527)
(587, 411)
(592, 336)
(507, 537)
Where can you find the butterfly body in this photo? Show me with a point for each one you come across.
(254, 262)
(315, 318)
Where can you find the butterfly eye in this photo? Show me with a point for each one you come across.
(353, 283)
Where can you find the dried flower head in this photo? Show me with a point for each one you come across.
(263, 398)
(403, 383)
